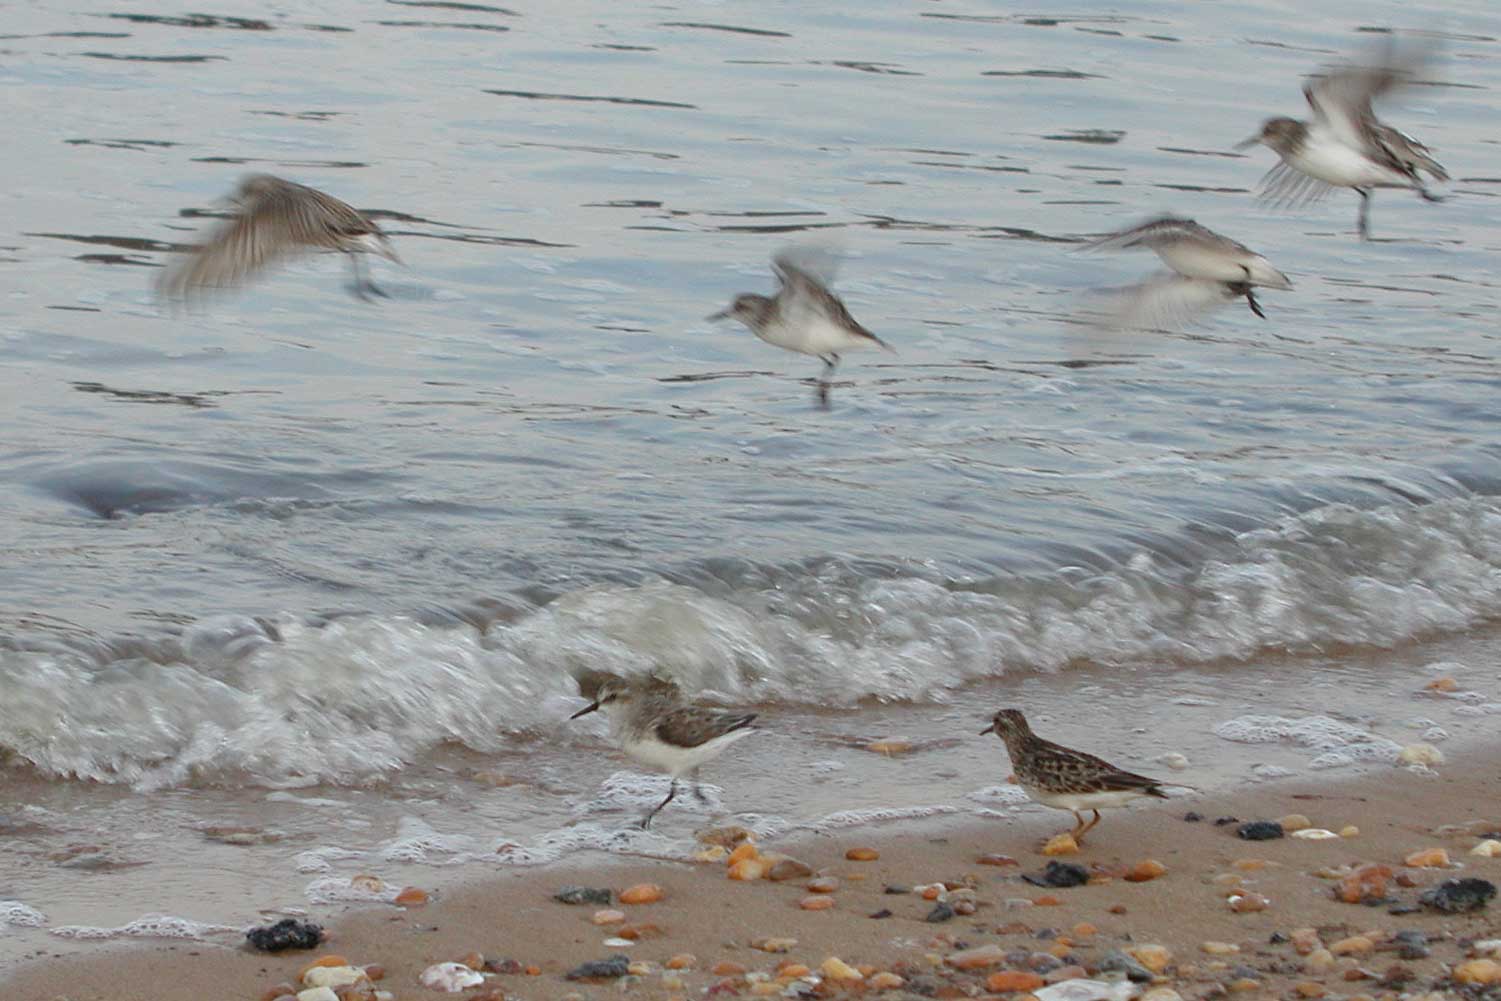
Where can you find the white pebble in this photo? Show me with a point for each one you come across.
(1314, 834)
(317, 994)
(1490, 848)
(1173, 760)
(619, 943)
(450, 977)
(332, 976)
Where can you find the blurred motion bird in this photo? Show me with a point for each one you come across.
(1208, 271)
(276, 219)
(1345, 145)
(1064, 778)
(804, 315)
(655, 726)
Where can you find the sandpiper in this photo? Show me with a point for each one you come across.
(1209, 269)
(654, 726)
(804, 316)
(1199, 253)
(1064, 778)
(277, 218)
(1345, 145)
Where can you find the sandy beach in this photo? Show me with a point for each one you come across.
(986, 931)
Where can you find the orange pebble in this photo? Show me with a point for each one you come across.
(726, 968)
(1009, 981)
(641, 893)
(533, 971)
(816, 902)
(411, 897)
(791, 971)
(862, 854)
(1117, 908)
(1143, 871)
(1046, 900)
(682, 961)
(1084, 929)
(745, 851)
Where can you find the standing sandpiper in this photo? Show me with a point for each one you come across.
(1210, 269)
(1345, 145)
(804, 316)
(655, 727)
(1063, 778)
(276, 219)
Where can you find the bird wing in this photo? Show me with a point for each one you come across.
(802, 290)
(274, 224)
(1168, 301)
(690, 726)
(1083, 772)
(1285, 186)
(1341, 98)
(1150, 234)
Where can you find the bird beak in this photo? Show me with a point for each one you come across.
(988, 729)
(1248, 143)
(721, 315)
(586, 710)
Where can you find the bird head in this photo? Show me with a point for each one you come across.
(1008, 723)
(1280, 134)
(749, 309)
(610, 693)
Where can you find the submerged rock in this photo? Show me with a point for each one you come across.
(616, 966)
(582, 895)
(1259, 830)
(1457, 895)
(1059, 874)
(288, 933)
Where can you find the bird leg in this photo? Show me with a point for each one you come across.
(1363, 222)
(1251, 301)
(830, 362)
(1079, 828)
(646, 820)
(1079, 838)
(363, 287)
(698, 790)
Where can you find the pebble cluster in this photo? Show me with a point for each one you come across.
(986, 933)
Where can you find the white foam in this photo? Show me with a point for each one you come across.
(1342, 743)
(13, 912)
(1001, 795)
(148, 926)
(340, 889)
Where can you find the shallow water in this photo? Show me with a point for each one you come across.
(291, 540)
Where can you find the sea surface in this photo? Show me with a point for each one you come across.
(293, 587)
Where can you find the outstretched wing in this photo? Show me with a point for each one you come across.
(1167, 301)
(803, 290)
(1285, 186)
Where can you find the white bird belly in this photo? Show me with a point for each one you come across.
(1333, 162)
(815, 335)
(675, 760)
(1085, 800)
(1194, 261)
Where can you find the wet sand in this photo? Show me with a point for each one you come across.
(513, 916)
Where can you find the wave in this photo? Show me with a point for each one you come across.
(297, 700)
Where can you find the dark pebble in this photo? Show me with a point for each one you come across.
(1042, 962)
(1397, 977)
(1278, 938)
(892, 888)
(1402, 908)
(288, 933)
(1243, 972)
(884, 912)
(1456, 896)
(1411, 944)
(941, 912)
(1222, 821)
(617, 965)
(924, 985)
(503, 966)
(1059, 874)
(1047, 934)
(1192, 817)
(1116, 961)
(582, 895)
(1259, 830)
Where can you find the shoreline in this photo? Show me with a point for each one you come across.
(511, 915)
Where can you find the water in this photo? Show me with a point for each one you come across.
(321, 570)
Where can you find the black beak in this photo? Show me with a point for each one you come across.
(723, 314)
(1247, 143)
(586, 710)
(988, 729)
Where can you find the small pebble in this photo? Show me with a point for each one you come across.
(824, 884)
(1061, 844)
(941, 912)
(1294, 822)
(641, 893)
(774, 944)
(317, 994)
(727, 968)
(1192, 817)
(1315, 834)
(450, 977)
(1428, 858)
(884, 981)
(884, 912)
(746, 870)
(682, 961)
(1141, 872)
(1011, 981)
(1219, 948)
(1488, 848)
(608, 917)
(838, 970)
(999, 860)
(1116, 961)
(1248, 903)
(978, 958)
(1059, 874)
(1154, 957)
(862, 855)
(411, 896)
(1478, 971)
(816, 902)
(1355, 945)
(1349, 831)
(788, 868)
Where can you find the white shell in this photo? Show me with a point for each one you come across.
(450, 977)
(1314, 834)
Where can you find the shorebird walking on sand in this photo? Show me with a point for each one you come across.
(804, 316)
(1066, 779)
(655, 727)
(1345, 145)
(276, 219)
(1209, 270)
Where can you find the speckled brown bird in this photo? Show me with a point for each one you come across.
(275, 219)
(1064, 778)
